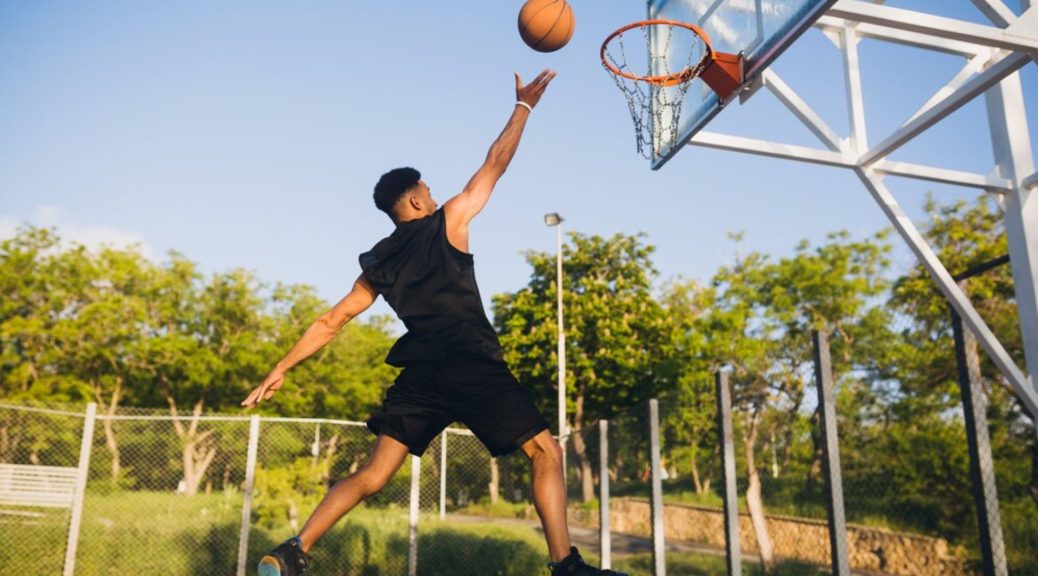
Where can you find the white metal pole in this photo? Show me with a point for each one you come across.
(563, 432)
(443, 474)
(246, 507)
(605, 543)
(1011, 142)
(86, 443)
(658, 541)
(412, 537)
(733, 547)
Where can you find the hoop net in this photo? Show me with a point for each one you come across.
(675, 53)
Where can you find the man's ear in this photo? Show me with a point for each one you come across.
(414, 201)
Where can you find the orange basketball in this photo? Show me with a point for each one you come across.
(546, 25)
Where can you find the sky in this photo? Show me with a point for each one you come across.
(250, 134)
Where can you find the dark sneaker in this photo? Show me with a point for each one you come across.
(288, 559)
(574, 565)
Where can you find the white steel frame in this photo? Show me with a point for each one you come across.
(993, 55)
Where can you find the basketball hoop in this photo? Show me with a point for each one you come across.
(656, 96)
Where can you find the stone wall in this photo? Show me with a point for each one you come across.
(871, 549)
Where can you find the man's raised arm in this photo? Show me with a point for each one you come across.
(462, 208)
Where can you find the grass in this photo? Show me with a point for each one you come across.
(501, 509)
(148, 532)
(689, 564)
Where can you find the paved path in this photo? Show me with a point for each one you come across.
(588, 538)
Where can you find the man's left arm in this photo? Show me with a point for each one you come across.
(461, 209)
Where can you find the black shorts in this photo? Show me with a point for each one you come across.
(480, 393)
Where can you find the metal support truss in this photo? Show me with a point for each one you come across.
(993, 55)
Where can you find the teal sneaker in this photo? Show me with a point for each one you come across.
(288, 559)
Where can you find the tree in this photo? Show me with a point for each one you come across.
(33, 299)
(615, 333)
(100, 333)
(835, 288)
(737, 338)
(690, 421)
(965, 235)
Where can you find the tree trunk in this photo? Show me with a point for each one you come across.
(329, 454)
(695, 469)
(109, 427)
(709, 477)
(495, 481)
(754, 501)
(774, 457)
(587, 479)
(8, 445)
(293, 516)
(197, 452)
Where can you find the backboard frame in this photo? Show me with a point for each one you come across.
(754, 64)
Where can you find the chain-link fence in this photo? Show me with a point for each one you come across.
(168, 493)
(207, 494)
(888, 481)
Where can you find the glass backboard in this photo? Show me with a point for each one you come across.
(758, 29)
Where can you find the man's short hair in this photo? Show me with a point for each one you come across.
(392, 185)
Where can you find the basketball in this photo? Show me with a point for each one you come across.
(546, 25)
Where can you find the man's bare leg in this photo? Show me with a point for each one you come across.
(377, 470)
(549, 492)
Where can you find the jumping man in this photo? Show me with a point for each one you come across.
(451, 358)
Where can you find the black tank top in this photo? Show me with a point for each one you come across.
(431, 285)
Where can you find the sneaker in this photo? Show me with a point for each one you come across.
(288, 559)
(574, 565)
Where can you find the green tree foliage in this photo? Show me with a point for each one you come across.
(963, 235)
(615, 329)
(113, 327)
(616, 332)
(688, 414)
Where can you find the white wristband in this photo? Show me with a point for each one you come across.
(524, 105)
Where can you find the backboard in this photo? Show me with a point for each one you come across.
(760, 30)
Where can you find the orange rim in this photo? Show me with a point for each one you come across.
(668, 79)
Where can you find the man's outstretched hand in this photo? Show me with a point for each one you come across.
(531, 93)
(272, 383)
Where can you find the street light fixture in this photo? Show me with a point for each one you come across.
(553, 219)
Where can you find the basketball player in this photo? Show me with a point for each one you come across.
(452, 364)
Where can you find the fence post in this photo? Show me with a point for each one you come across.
(658, 559)
(982, 468)
(85, 445)
(443, 474)
(733, 551)
(246, 507)
(604, 542)
(412, 536)
(833, 472)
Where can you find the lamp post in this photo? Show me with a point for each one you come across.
(555, 220)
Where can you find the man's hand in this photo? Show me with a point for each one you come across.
(531, 93)
(272, 383)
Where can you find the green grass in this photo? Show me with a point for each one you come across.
(147, 532)
(33, 544)
(690, 564)
(501, 509)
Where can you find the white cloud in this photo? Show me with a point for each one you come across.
(72, 231)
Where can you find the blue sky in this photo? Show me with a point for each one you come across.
(251, 133)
